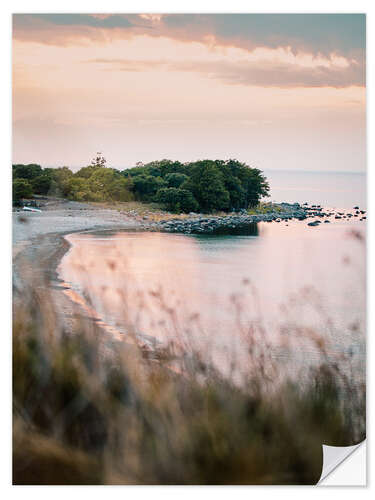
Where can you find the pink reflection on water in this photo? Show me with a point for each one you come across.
(207, 293)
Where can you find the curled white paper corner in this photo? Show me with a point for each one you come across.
(334, 456)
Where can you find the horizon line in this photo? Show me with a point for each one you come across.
(360, 172)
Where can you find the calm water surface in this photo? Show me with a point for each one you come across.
(206, 291)
(336, 189)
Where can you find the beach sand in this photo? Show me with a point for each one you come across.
(39, 245)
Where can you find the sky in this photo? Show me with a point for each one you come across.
(277, 91)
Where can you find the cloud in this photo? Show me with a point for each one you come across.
(317, 33)
(85, 20)
(252, 73)
(343, 34)
(71, 29)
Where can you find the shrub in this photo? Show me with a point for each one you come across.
(21, 189)
(175, 179)
(146, 186)
(177, 199)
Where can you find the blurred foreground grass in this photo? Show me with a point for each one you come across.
(83, 415)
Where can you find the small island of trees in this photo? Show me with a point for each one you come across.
(202, 186)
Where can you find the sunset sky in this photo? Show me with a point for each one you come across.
(278, 91)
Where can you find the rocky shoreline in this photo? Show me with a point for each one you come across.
(74, 216)
(232, 223)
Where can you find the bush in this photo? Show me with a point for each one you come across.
(175, 179)
(177, 200)
(29, 172)
(96, 183)
(21, 189)
(42, 184)
(146, 186)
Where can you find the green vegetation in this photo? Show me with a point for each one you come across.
(213, 185)
(92, 183)
(21, 189)
(177, 199)
(204, 186)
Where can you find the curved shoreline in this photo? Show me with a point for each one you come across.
(45, 243)
(39, 244)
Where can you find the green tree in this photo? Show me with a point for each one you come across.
(255, 185)
(208, 187)
(175, 179)
(213, 184)
(42, 183)
(146, 186)
(120, 189)
(21, 189)
(177, 199)
(29, 171)
(62, 177)
(86, 172)
(78, 189)
(94, 183)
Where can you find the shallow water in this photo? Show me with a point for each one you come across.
(205, 292)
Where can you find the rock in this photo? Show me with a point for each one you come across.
(355, 208)
(315, 223)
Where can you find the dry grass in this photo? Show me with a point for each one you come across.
(86, 413)
(155, 212)
(265, 208)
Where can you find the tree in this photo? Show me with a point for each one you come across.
(21, 189)
(176, 199)
(237, 193)
(120, 189)
(213, 184)
(99, 160)
(146, 186)
(255, 185)
(42, 183)
(26, 171)
(94, 183)
(86, 172)
(208, 186)
(175, 179)
(62, 177)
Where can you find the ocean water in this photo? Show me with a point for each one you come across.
(292, 283)
(334, 189)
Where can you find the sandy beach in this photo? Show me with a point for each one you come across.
(39, 245)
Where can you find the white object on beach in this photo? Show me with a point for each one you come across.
(30, 209)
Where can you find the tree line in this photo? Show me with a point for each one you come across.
(204, 186)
